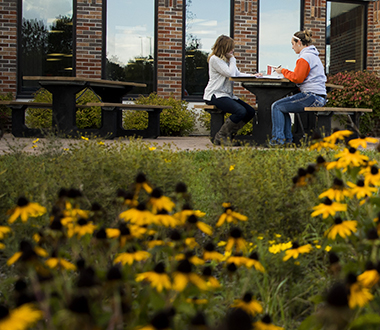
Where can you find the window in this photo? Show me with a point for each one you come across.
(130, 42)
(46, 37)
(205, 21)
(345, 37)
(278, 20)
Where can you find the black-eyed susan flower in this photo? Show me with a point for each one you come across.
(25, 209)
(296, 250)
(191, 243)
(4, 231)
(277, 248)
(236, 240)
(338, 135)
(300, 179)
(20, 318)
(160, 321)
(27, 253)
(127, 197)
(160, 202)
(152, 242)
(334, 267)
(81, 228)
(142, 183)
(362, 142)
(253, 260)
(211, 281)
(139, 216)
(319, 145)
(131, 256)
(230, 215)
(265, 324)
(192, 221)
(328, 207)
(372, 176)
(210, 253)
(191, 256)
(163, 218)
(337, 192)
(350, 158)
(360, 189)
(59, 263)
(197, 301)
(184, 275)
(370, 276)
(186, 212)
(359, 296)
(238, 259)
(341, 228)
(248, 304)
(157, 278)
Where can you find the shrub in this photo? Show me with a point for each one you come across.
(5, 112)
(85, 118)
(361, 90)
(173, 122)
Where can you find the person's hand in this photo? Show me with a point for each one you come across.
(258, 75)
(230, 54)
(278, 70)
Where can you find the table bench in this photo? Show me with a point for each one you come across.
(321, 121)
(109, 110)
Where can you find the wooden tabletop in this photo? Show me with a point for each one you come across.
(248, 79)
(82, 79)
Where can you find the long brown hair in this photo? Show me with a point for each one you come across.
(304, 36)
(222, 46)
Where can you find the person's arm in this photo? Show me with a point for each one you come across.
(223, 68)
(300, 72)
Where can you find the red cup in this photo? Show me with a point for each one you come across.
(269, 69)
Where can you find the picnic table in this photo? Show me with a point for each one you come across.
(64, 107)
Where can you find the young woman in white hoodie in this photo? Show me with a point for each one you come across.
(219, 90)
(309, 75)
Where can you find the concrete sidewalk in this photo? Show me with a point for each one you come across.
(9, 143)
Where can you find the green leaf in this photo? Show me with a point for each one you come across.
(310, 323)
(316, 299)
(363, 321)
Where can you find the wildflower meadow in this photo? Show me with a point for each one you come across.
(96, 236)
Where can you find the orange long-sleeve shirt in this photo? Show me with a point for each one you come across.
(301, 71)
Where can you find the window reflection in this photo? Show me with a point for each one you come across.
(345, 37)
(279, 19)
(46, 39)
(204, 23)
(130, 42)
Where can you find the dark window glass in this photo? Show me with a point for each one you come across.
(205, 21)
(46, 40)
(278, 20)
(345, 37)
(130, 42)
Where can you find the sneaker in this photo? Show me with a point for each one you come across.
(274, 143)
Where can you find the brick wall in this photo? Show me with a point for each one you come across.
(245, 36)
(373, 40)
(8, 46)
(315, 20)
(89, 39)
(169, 53)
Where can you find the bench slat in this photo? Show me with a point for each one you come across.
(337, 109)
(129, 106)
(30, 104)
(205, 107)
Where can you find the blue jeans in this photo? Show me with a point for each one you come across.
(240, 110)
(281, 122)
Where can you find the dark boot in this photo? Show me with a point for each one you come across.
(224, 136)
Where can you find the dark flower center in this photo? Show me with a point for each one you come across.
(156, 193)
(140, 178)
(338, 220)
(352, 150)
(160, 321)
(338, 183)
(199, 319)
(114, 273)
(372, 234)
(180, 188)
(159, 268)
(56, 224)
(4, 312)
(175, 235)
(82, 222)
(266, 319)
(231, 267)
(351, 278)
(124, 230)
(186, 207)
(96, 207)
(22, 201)
(207, 271)
(374, 170)
(210, 247)
(254, 256)
(328, 201)
(184, 266)
(310, 169)
(80, 305)
(333, 258)
(295, 245)
(360, 183)
(301, 172)
(235, 233)
(192, 219)
(320, 160)
(369, 266)
(74, 193)
(337, 296)
(101, 234)
(247, 297)
(62, 193)
(189, 254)
(141, 207)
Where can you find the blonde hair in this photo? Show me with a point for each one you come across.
(222, 46)
(304, 36)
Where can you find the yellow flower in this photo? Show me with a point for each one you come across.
(230, 215)
(184, 275)
(160, 202)
(141, 182)
(249, 305)
(338, 135)
(152, 148)
(337, 192)
(236, 239)
(369, 278)
(350, 157)
(277, 248)
(130, 257)
(238, 260)
(359, 296)
(323, 145)
(191, 243)
(36, 140)
(328, 207)
(56, 263)
(192, 220)
(186, 212)
(165, 219)
(266, 324)
(2, 246)
(361, 190)
(27, 252)
(296, 250)
(139, 216)
(158, 279)
(20, 318)
(4, 231)
(190, 255)
(362, 142)
(211, 281)
(341, 228)
(24, 209)
(80, 228)
(84, 138)
(253, 260)
(210, 253)
(232, 167)
(372, 176)
(101, 143)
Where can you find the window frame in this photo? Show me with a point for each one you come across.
(155, 45)
(365, 30)
(198, 98)
(19, 92)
